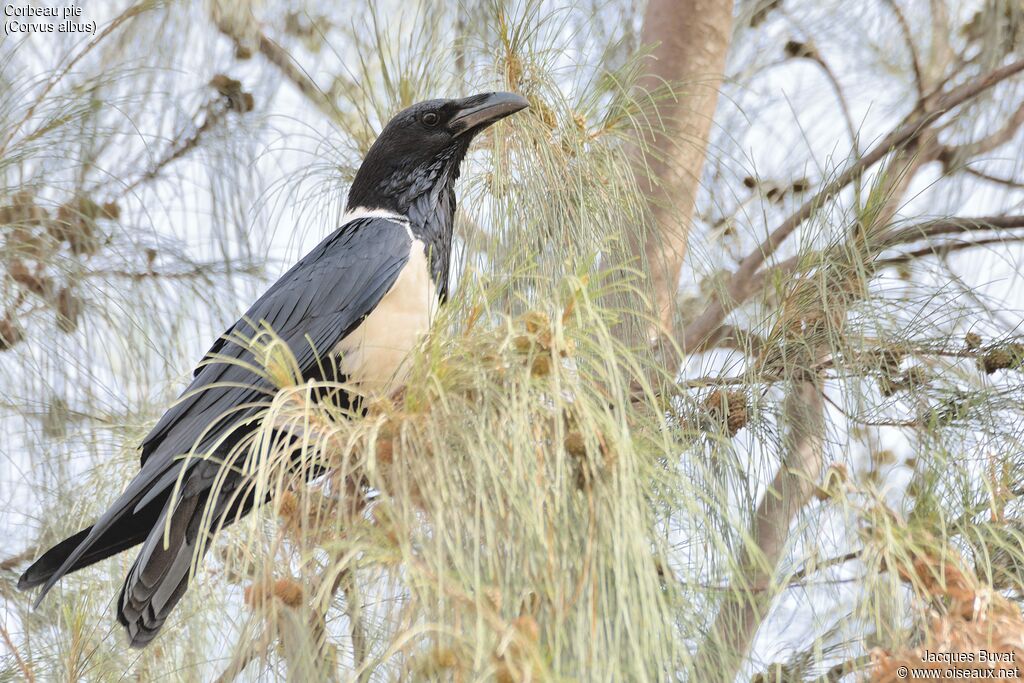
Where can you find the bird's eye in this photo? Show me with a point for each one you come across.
(430, 119)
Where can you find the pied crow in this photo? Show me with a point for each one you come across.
(365, 294)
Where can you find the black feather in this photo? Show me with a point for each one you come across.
(344, 277)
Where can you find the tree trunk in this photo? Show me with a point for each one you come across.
(690, 39)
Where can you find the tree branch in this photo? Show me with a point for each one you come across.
(1008, 182)
(951, 226)
(724, 649)
(951, 155)
(22, 666)
(704, 328)
(279, 57)
(908, 38)
(944, 249)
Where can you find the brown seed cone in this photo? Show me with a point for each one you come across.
(231, 90)
(445, 658)
(385, 450)
(494, 597)
(23, 241)
(110, 211)
(69, 308)
(541, 366)
(575, 444)
(738, 416)
(288, 509)
(535, 322)
(522, 343)
(33, 282)
(289, 591)
(528, 627)
(728, 409)
(75, 224)
(254, 595)
(544, 112)
(996, 359)
(10, 333)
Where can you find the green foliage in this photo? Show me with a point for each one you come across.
(547, 499)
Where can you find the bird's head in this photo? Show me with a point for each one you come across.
(418, 153)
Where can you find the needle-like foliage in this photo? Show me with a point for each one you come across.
(814, 473)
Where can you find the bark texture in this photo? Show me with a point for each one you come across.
(691, 39)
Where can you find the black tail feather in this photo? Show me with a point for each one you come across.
(128, 532)
(160, 574)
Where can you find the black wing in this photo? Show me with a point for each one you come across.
(323, 297)
(312, 307)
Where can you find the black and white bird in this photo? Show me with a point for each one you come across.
(367, 294)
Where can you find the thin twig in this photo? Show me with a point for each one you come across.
(994, 140)
(951, 226)
(1008, 182)
(944, 249)
(805, 571)
(908, 38)
(129, 13)
(15, 560)
(914, 233)
(704, 329)
(255, 649)
(279, 57)
(215, 113)
(25, 670)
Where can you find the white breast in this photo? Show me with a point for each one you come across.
(376, 354)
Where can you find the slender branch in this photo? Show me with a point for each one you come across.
(25, 670)
(806, 571)
(256, 648)
(740, 339)
(723, 650)
(215, 114)
(57, 77)
(198, 271)
(915, 233)
(844, 106)
(992, 141)
(703, 330)
(908, 38)
(1008, 182)
(289, 68)
(951, 226)
(944, 249)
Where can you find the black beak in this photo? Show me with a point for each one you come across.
(479, 111)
